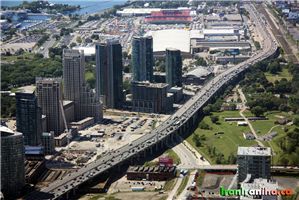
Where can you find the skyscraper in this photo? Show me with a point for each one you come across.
(12, 163)
(76, 89)
(28, 117)
(109, 80)
(49, 93)
(142, 58)
(173, 67)
(73, 77)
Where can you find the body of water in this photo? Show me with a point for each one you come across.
(100, 5)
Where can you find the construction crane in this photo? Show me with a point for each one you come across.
(66, 131)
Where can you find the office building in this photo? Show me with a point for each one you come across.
(142, 58)
(173, 67)
(255, 161)
(48, 142)
(49, 95)
(28, 117)
(150, 97)
(12, 163)
(86, 103)
(109, 82)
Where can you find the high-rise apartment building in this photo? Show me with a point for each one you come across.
(28, 117)
(12, 163)
(109, 80)
(49, 95)
(142, 58)
(255, 161)
(173, 67)
(76, 89)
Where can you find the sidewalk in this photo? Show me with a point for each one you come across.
(176, 187)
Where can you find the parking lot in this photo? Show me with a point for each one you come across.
(66, 40)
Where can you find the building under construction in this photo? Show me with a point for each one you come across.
(151, 97)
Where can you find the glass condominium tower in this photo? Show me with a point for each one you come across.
(173, 67)
(142, 58)
(109, 79)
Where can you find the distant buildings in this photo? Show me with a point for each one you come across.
(49, 95)
(28, 117)
(142, 58)
(12, 163)
(173, 67)
(4, 25)
(86, 104)
(255, 161)
(151, 98)
(109, 81)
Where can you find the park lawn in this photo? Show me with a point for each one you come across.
(223, 114)
(247, 113)
(273, 77)
(14, 58)
(88, 75)
(263, 126)
(224, 143)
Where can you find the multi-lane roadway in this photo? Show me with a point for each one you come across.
(151, 140)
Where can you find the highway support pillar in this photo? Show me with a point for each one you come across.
(172, 137)
(131, 160)
(144, 153)
(151, 150)
(74, 191)
(188, 122)
(184, 127)
(138, 157)
(181, 130)
(118, 167)
(67, 195)
(167, 138)
(194, 118)
(157, 146)
(162, 143)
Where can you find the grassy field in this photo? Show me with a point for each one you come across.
(88, 75)
(233, 113)
(14, 58)
(226, 143)
(169, 185)
(280, 75)
(174, 156)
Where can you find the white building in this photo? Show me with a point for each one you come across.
(4, 25)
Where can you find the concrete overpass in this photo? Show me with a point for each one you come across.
(182, 119)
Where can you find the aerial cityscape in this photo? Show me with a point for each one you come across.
(153, 100)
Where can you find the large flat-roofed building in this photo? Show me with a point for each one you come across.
(12, 163)
(255, 161)
(109, 80)
(29, 117)
(4, 25)
(177, 94)
(49, 95)
(150, 97)
(82, 124)
(137, 11)
(173, 67)
(142, 58)
(197, 76)
(86, 103)
(151, 173)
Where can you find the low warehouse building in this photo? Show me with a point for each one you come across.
(151, 173)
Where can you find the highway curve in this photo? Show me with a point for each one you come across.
(279, 36)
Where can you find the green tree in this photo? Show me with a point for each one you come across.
(78, 40)
(296, 120)
(73, 44)
(257, 111)
(38, 55)
(126, 86)
(214, 119)
(283, 107)
(92, 82)
(206, 110)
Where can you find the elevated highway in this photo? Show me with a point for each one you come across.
(172, 127)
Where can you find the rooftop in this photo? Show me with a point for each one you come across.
(254, 151)
(198, 72)
(162, 39)
(86, 50)
(26, 91)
